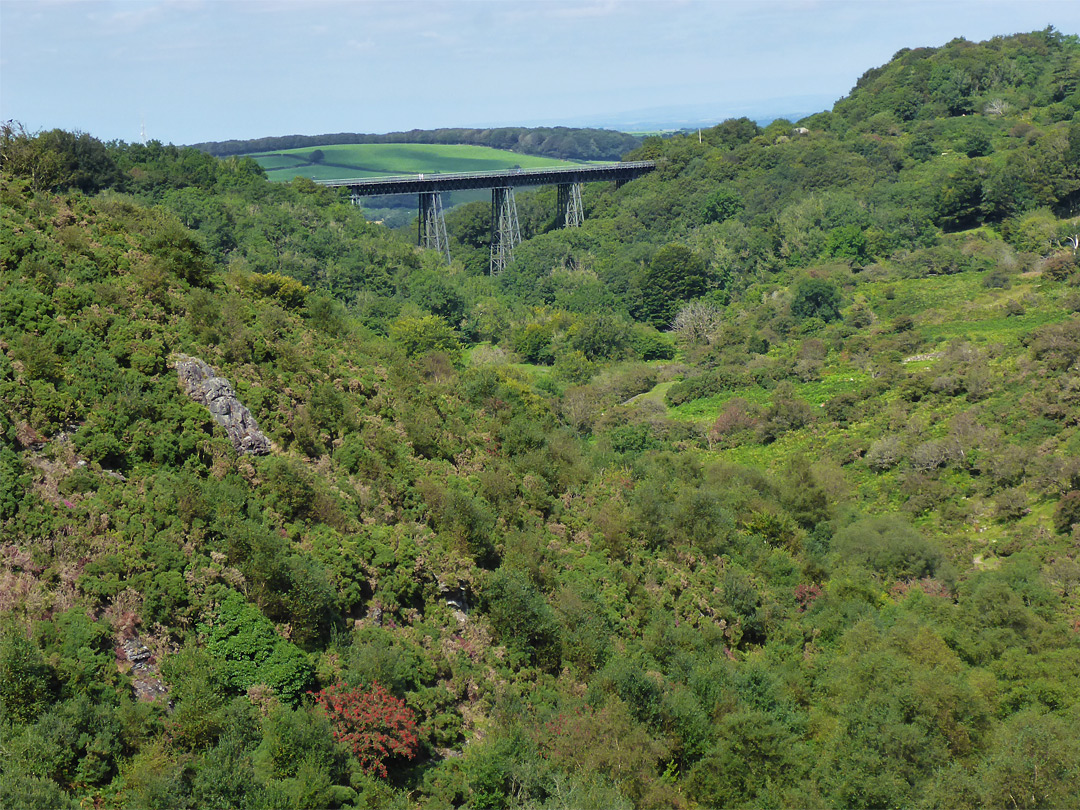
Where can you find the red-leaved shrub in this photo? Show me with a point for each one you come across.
(373, 722)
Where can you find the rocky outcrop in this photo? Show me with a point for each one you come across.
(143, 669)
(200, 383)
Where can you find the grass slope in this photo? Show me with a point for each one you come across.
(376, 159)
(958, 324)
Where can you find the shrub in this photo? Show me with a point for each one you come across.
(79, 649)
(711, 382)
(291, 490)
(466, 518)
(252, 652)
(632, 438)
(288, 291)
(1010, 504)
(843, 408)
(722, 204)
(425, 334)
(374, 723)
(889, 545)
(649, 344)
(13, 482)
(1067, 513)
(786, 412)
(814, 298)
(574, 367)
(739, 417)
(903, 323)
(847, 242)
(600, 336)
(934, 454)
(379, 655)
(27, 682)
(1058, 345)
(634, 380)
(522, 618)
(1059, 266)
(997, 278)
(626, 678)
(533, 343)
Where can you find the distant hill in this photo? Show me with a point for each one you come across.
(673, 117)
(558, 142)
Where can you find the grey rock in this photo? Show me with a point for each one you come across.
(150, 689)
(200, 383)
(136, 652)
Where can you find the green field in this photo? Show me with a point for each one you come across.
(378, 159)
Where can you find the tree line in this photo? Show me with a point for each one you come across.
(568, 143)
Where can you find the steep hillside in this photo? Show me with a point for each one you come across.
(762, 488)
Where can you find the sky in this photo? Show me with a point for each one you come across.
(187, 71)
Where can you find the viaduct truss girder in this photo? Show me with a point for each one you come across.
(505, 233)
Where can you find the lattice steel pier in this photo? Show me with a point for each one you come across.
(505, 230)
(431, 227)
(569, 210)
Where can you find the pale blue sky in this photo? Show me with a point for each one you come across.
(220, 69)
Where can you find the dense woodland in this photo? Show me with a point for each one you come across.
(760, 489)
(558, 142)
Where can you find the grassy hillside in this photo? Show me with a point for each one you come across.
(375, 159)
(555, 142)
(770, 472)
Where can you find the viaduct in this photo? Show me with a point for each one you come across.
(505, 232)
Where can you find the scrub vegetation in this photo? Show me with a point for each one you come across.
(759, 489)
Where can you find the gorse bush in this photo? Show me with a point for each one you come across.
(889, 545)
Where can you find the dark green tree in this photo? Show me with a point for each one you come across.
(27, 683)
(722, 204)
(816, 298)
(675, 275)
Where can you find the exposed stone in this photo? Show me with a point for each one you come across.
(200, 383)
(145, 677)
(136, 652)
(150, 690)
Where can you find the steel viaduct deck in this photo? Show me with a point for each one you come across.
(506, 178)
(505, 232)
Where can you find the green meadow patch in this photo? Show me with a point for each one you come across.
(816, 392)
(276, 162)
(1002, 328)
(380, 159)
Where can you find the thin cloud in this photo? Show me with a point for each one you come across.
(603, 8)
(479, 62)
